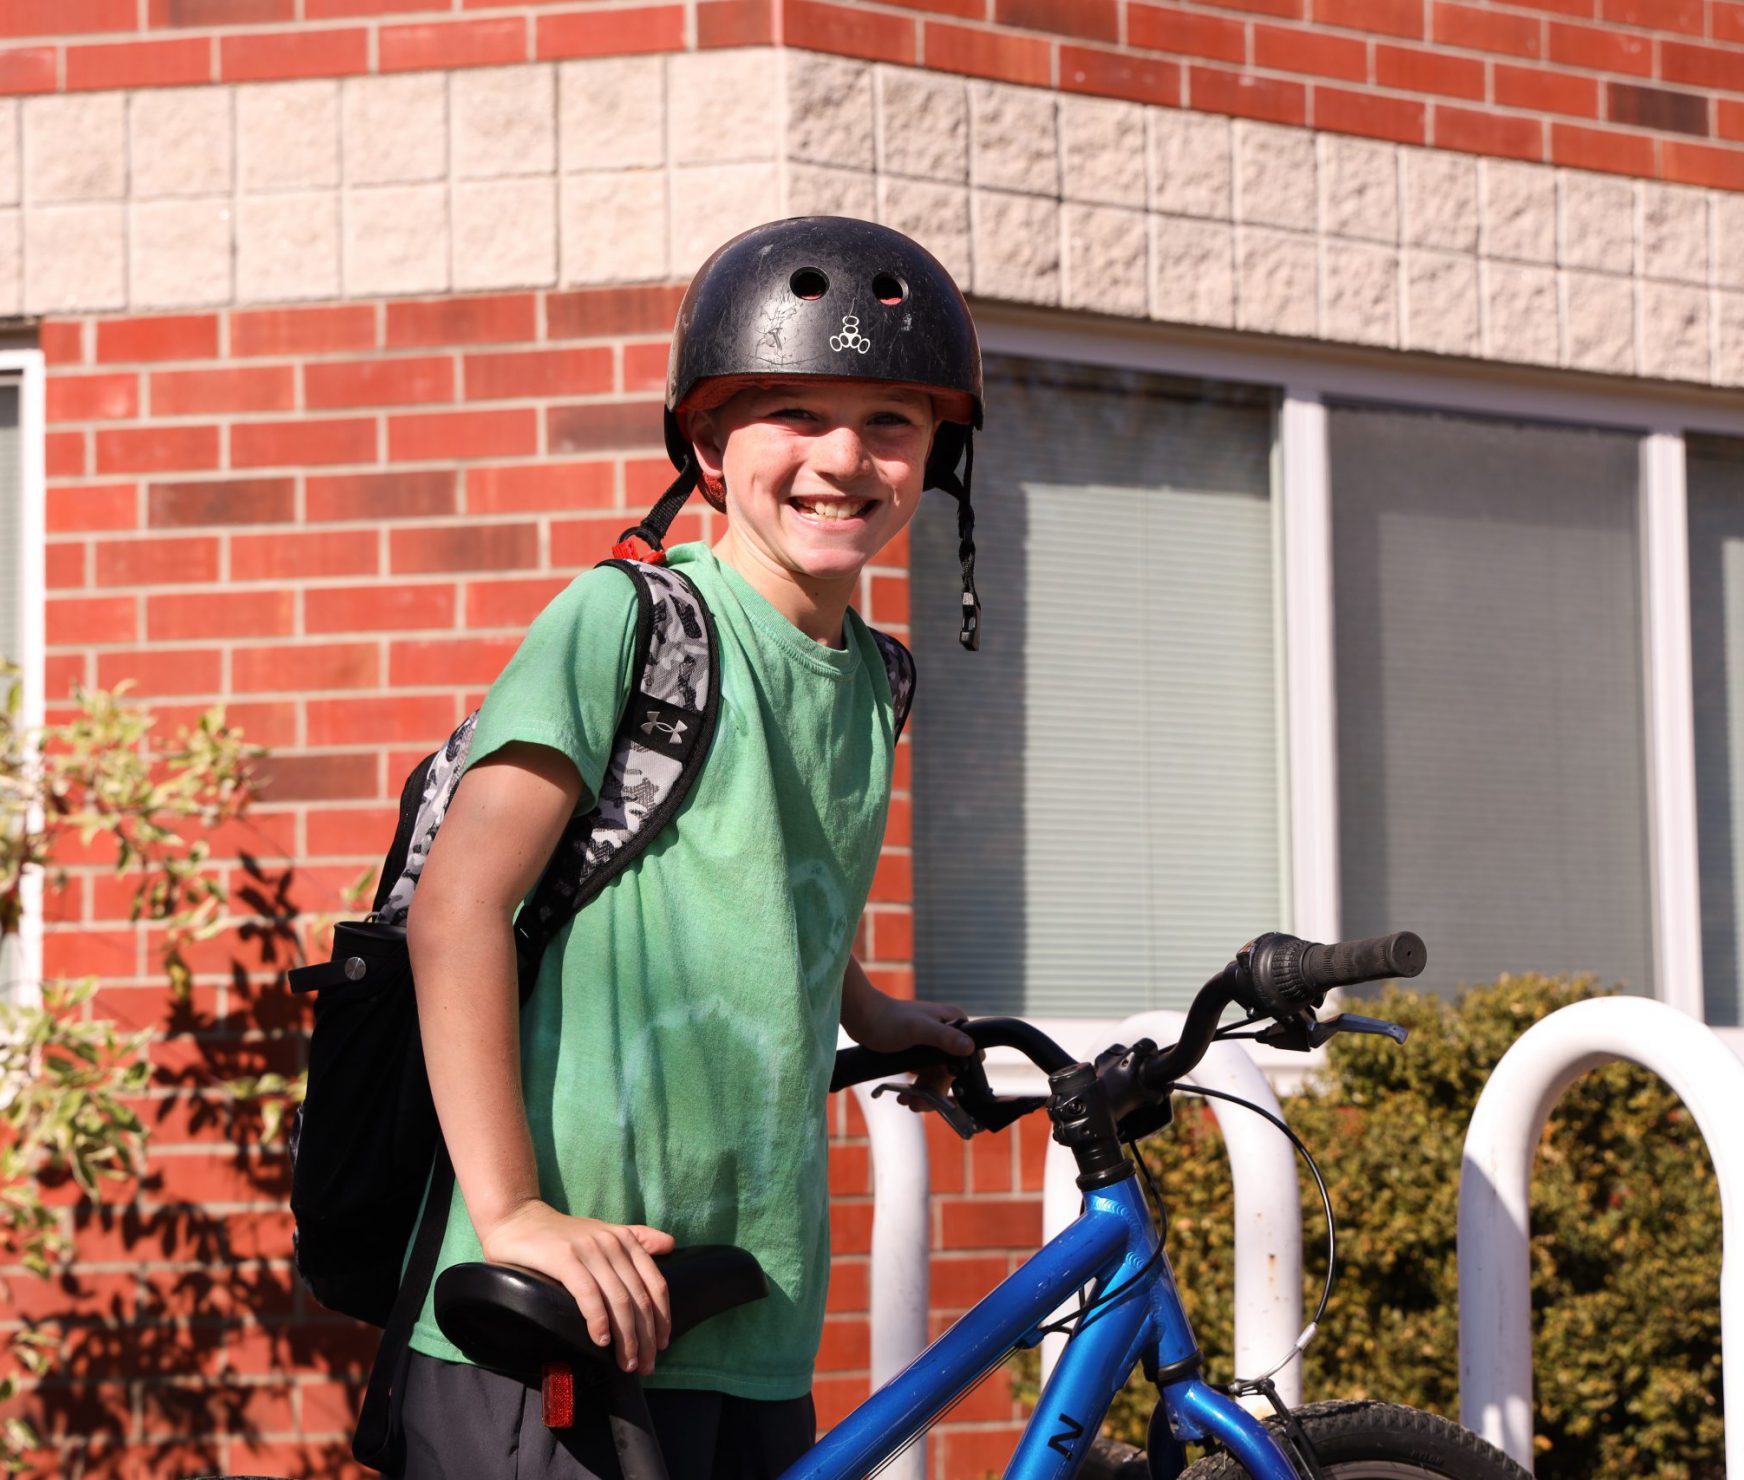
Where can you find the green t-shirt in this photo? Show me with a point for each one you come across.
(676, 1052)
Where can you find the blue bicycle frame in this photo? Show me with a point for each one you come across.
(1112, 1246)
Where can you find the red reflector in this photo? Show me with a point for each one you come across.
(557, 1395)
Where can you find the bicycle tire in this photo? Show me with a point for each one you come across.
(1353, 1440)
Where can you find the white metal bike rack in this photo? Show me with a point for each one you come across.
(901, 1249)
(1268, 1214)
(1495, 1288)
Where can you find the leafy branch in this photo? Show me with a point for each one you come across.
(66, 1076)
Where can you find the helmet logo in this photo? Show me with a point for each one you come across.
(850, 337)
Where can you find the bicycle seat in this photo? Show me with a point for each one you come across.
(518, 1321)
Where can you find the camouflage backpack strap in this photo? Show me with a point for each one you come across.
(417, 831)
(899, 669)
(661, 744)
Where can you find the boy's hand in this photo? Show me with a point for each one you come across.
(607, 1267)
(892, 1024)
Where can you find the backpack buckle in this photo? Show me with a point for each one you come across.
(633, 545)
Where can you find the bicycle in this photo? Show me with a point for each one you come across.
(527, 1325)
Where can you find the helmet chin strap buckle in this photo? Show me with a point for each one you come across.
(634, 544)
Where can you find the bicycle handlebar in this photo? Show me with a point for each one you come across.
(857, 1065)
(1275, 975)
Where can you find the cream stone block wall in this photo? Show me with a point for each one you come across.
(631, 169)
(287, 247)
(923, 124)
(287, 135)
(394, 130)
(818, 190)
(179, 142)
(503, 121)
(1190, 169)
(75, 147)
(11, 174)
(1359, 189)
(505, 233)
(830, 115)
(179, 252)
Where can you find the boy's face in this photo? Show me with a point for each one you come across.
(819, 475)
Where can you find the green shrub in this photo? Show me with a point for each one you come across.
(1625, 1239)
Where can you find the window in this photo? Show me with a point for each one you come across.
(1492, 769)
(1097, 793)
(11, 527)
(14, 552)
(1715, 480)
(1336, 643)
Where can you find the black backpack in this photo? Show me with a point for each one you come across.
(365, 1143)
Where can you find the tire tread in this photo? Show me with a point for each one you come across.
(1343, 1428)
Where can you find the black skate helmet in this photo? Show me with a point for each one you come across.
(825, 296)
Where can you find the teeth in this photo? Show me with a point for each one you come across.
(832, 508)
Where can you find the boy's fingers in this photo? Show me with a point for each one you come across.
(952, 1040)
(638, 1303)
(652, 1239)
(585, 1289)
(654, 1283)
(617, 1298)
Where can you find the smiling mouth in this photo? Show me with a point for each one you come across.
(834, 508)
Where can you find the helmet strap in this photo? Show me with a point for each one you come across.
(645, 541)
(958, 488)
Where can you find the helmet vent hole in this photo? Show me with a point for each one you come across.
(809, 283)
(887, 288)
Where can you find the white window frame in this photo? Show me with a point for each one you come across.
(1306, 378)
(25, 369)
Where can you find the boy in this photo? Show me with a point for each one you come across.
(666, 1080)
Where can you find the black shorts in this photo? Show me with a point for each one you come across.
(464, 1423)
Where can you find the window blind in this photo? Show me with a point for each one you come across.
(12, 558)
(1492, 760)
(1097, 789)
(1715, 474)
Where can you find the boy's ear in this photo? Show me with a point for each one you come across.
(702, 429)
(703, 432)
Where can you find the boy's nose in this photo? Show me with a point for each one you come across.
(840, 452)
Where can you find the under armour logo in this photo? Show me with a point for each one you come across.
(672, 731)
(850, 337)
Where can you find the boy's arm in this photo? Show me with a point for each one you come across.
(889, 1024)
(501, 827)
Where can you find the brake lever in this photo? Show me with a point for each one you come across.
(972, 1092)
(1303, 1031)
(1349, 1022)
(955, 1116)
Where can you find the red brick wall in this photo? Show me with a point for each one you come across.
(1639, 87)
(338, 519)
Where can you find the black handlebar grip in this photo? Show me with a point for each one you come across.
(857, 1065)
(1348, 963)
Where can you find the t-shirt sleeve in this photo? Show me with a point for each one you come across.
(567, 683)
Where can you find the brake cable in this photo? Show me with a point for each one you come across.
(1244, 1385)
